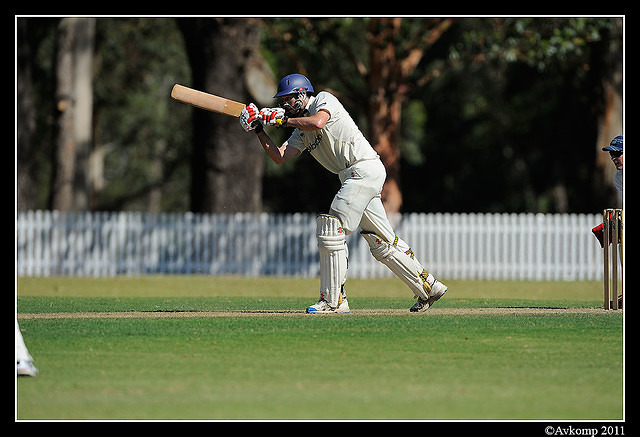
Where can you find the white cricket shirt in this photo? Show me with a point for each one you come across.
(339, 144)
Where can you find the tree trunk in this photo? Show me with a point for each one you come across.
(74, 103)
(388, 88)
(608, 58)
(227, 163)
(385, 106)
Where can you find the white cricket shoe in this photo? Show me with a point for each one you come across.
(26, 368)
(322, 307)
(438, 289)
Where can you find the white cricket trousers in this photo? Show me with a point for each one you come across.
(358, 202)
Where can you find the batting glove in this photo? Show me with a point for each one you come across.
(272, 116)
(249, 117)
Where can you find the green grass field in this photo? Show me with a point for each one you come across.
(200, 348)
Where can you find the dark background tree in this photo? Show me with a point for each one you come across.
(226, 176)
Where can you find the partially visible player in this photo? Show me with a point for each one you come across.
(325, 129)
(24, 361)
(616, 152)
(615, 149)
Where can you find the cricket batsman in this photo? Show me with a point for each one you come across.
(325, 129)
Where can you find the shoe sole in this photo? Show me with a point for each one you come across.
(312, 311)
(434, 299)
(26, 372)
(431, 301)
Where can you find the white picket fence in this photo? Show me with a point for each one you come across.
(452, 246)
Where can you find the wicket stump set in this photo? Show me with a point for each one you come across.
(613, 229)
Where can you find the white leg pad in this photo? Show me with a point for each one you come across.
(332, 245)
(399, 258)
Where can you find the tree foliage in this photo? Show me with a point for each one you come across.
(500, 114)
(143, 136)
(496, 114)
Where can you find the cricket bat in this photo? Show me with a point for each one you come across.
(206, 101)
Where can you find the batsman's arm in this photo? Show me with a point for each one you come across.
(277, 154)
(310, 123)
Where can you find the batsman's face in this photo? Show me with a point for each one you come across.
(289, 99)
(292, 104)
(617, 158)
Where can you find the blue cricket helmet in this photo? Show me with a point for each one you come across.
(615, 145)
(293, 83)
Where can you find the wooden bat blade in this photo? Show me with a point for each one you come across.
(206, 101)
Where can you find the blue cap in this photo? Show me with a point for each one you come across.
(615, 145)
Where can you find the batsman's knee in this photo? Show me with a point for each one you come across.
(379, 248)
(329, 231)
